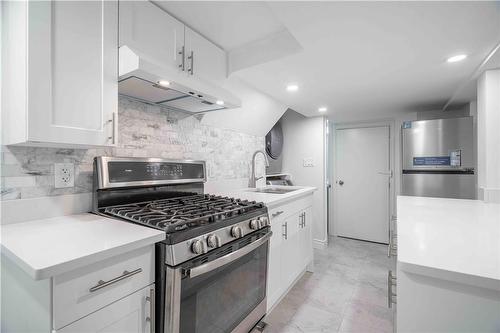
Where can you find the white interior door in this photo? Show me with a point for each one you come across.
(362, 183)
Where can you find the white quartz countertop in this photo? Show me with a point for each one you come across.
(457, 237)
(45, 248)
(269, 199)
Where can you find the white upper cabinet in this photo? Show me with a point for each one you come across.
(67, 54)
(151, 31)
(162, 39)
(204, 59)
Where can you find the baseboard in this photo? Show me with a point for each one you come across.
(320, 244)
(491, 195)
(22, 210)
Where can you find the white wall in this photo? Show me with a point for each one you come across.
(305, 138)
(257, 115)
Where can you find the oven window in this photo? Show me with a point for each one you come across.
(216, 302)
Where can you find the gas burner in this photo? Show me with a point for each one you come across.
(177, 214)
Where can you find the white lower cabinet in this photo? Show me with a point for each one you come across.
(291, 248)
(131, 314)
(112, 295)
(431, 304)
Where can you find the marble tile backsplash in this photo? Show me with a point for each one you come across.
(144, 131)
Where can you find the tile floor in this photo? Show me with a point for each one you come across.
(346, 293)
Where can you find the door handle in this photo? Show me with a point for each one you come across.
(182, 52)
(191, 57)
(391, 296)
(152, 304)
(101, 284)
(341, 182)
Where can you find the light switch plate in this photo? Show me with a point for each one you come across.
(308, 162)
(64, 175)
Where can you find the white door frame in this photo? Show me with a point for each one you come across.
(392, 193)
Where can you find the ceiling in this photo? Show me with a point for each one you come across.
(362, 60)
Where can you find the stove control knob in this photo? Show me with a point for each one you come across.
(197, 247)
(236, 232)
(254, 224)
(213, 241)
(264, 221)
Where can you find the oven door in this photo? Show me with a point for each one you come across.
(223, 291)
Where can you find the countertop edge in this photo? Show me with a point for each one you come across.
(293, 197)
(60, 268)
(458, 277)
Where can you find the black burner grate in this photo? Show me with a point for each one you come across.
(183, 212)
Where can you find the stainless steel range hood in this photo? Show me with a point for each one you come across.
(150, 82)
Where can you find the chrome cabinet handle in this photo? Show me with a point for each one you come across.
(277, 213)
(285, 230)
(102, 284)
(182, 53)
(392, 247)
(304, 219)
(114, 128)
(391, 297)
(389, 246)
(152, 305)
(191, 57)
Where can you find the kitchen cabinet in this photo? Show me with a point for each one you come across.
(115, 295)
(291, 247)
(274, 285)
(433, 304)
(131, 314)
(204, 59)
(150, 30)
(61, 61)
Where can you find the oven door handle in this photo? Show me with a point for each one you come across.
(210, 266)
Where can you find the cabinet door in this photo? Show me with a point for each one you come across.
(274, 285)
(150, 30)
(204, 59)
(72, 72)
(306, 239)
(290, 250)
(130, 314)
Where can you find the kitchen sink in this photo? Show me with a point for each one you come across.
(272, 190)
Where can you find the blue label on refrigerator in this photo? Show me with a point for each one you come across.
(406, 124)
(432, 160)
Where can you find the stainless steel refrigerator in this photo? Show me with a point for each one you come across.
(438, 158)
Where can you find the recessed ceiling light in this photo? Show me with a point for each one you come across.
(163, 83)
(219, 102)
(292, 87)
(322, 109)
(458, 57)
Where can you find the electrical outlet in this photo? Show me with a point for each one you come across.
(64, 175)
(308, 162)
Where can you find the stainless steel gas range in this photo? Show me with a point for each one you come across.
(211, 270)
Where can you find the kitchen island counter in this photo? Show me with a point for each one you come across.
(450, 239)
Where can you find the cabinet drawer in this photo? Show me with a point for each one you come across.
(109, 281)
(279, 213)
(131, 314)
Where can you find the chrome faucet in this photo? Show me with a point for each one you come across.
(253, 181)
